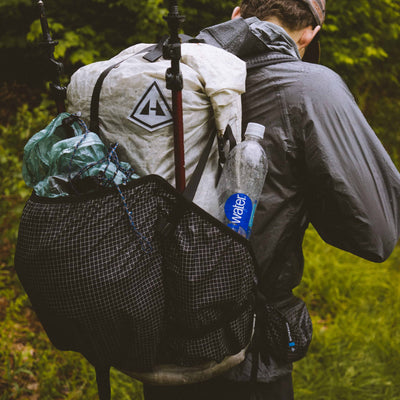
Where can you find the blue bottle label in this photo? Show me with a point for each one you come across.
(239, 211)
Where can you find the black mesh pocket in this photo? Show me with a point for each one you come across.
(285, 330)
(117, 290)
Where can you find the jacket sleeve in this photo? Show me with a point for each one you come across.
(353, 186)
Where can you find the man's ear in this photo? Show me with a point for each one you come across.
(307, 36)
(236, 13)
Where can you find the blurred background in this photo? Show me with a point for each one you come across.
(355, 353)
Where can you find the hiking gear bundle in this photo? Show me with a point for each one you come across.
(61, 159)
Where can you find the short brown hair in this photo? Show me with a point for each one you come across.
(293, 14)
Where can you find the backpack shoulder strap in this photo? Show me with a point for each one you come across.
(94, 104)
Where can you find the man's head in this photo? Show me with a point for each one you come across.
(293, 15)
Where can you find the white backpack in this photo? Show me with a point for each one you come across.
(135, 109)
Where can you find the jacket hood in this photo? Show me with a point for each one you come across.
(247, 37)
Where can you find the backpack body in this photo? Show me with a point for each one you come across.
(135, 109)
(166, 295)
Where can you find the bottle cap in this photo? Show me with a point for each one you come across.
(255, 130)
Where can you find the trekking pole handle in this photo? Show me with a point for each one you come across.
(172, 48)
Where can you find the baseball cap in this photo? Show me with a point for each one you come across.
(313, 52)
(317, 7)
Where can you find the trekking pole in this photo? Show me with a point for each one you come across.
(56, 68)
(174, 81)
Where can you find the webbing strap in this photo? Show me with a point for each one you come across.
(191, 188)
(94, 105)
(227, 138)
(168, 224)
(156, 51)
(103, 382)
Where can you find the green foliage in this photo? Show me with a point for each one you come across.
(202, 13)
(355, 310)
(86, 31)
(13, 190)
(16, 371)
(361, 42)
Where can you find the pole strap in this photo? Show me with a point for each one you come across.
(103, 382)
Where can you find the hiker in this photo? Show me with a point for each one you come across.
(326, 167)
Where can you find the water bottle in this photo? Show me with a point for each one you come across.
(241, 181)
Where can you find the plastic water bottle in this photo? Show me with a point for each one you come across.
(241, 181)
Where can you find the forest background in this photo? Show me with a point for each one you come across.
(355, 353)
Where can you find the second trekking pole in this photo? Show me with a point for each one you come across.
(55, 68)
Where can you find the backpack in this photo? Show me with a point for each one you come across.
(138, 276)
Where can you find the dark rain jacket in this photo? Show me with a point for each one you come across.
(326, 166)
